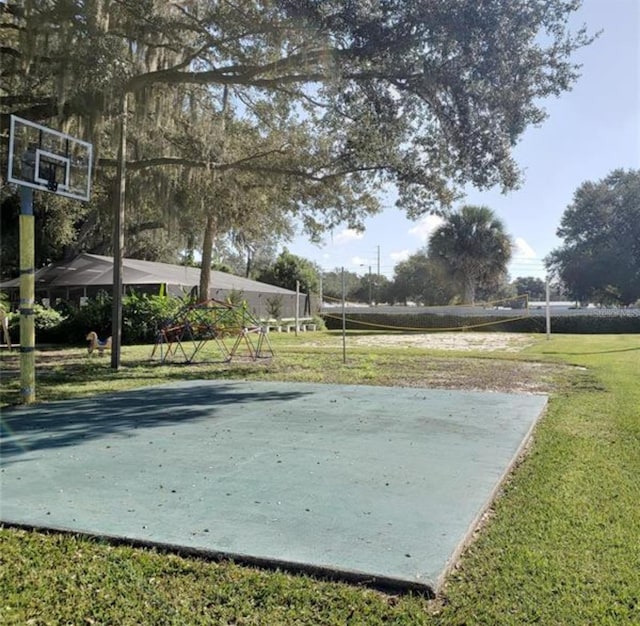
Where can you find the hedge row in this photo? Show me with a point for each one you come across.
(69, 325)
(596, 323)
(142, 317)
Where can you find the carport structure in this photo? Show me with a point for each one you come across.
(88, 274)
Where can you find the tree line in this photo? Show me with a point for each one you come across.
(468, 256)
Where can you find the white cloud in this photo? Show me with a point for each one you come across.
(522, 250)
(347, 235)
(401, 255)
(425, 226)
(360, 262)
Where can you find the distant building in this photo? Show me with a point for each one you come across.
(88, 274)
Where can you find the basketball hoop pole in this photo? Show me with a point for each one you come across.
(46, 160)
(27, 298)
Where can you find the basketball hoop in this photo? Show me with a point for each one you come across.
(49, 160)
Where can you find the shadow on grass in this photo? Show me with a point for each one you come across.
(65, 423)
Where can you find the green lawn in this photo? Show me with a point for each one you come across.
(561, 545)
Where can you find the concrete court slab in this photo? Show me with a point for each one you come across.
(367, 483)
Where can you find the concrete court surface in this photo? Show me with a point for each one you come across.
(371, 484)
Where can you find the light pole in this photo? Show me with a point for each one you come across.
(370, 284)
(369, 280)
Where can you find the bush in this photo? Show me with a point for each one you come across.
(274, 307)
(319, 322)
(94, 315)
(143, 316)
(47, 323)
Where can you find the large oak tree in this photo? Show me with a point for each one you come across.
(600, 256)
(325, 101)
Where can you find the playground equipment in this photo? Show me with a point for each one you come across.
(196, 325)
(96, 344)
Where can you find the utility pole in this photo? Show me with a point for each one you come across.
(118, 240)
(378, 279)
(344, 319)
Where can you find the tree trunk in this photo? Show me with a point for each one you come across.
(247, 271)
(469, 290)
(210, 228)
(207, 252)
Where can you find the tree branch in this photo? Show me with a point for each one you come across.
(240, 74)
(170, 161)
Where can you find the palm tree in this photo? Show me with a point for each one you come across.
(473, 245)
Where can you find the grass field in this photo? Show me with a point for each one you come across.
(560, 546)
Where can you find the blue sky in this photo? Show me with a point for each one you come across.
(590, 131)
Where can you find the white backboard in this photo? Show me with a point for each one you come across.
(48, 160)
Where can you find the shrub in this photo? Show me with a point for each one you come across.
(47, 323)
(274, 307)
(319, 322)
(143, 316)
(94, 315)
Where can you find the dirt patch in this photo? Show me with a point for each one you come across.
(460, 341)
(405, 368)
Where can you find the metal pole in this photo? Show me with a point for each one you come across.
(118, 242)
(548, 311)
(297, 305)
(370, 291)
(344, 321)
(378, 281)
(27, 298)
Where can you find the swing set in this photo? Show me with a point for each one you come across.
(195, 326)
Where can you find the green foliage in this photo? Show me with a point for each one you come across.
(46, 318)
(223, 134)
(96, 315)
(274, 307)
(600, 258)
(290, 269)
(222, 267)
(534, 287)
(318, 320)
(332, 284)
(423, 280)
(474, 247)
(601, 322)
(143, 315)
(47, 322)
(235, 297)
(371, 289)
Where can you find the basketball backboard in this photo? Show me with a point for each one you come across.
(49, 160)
